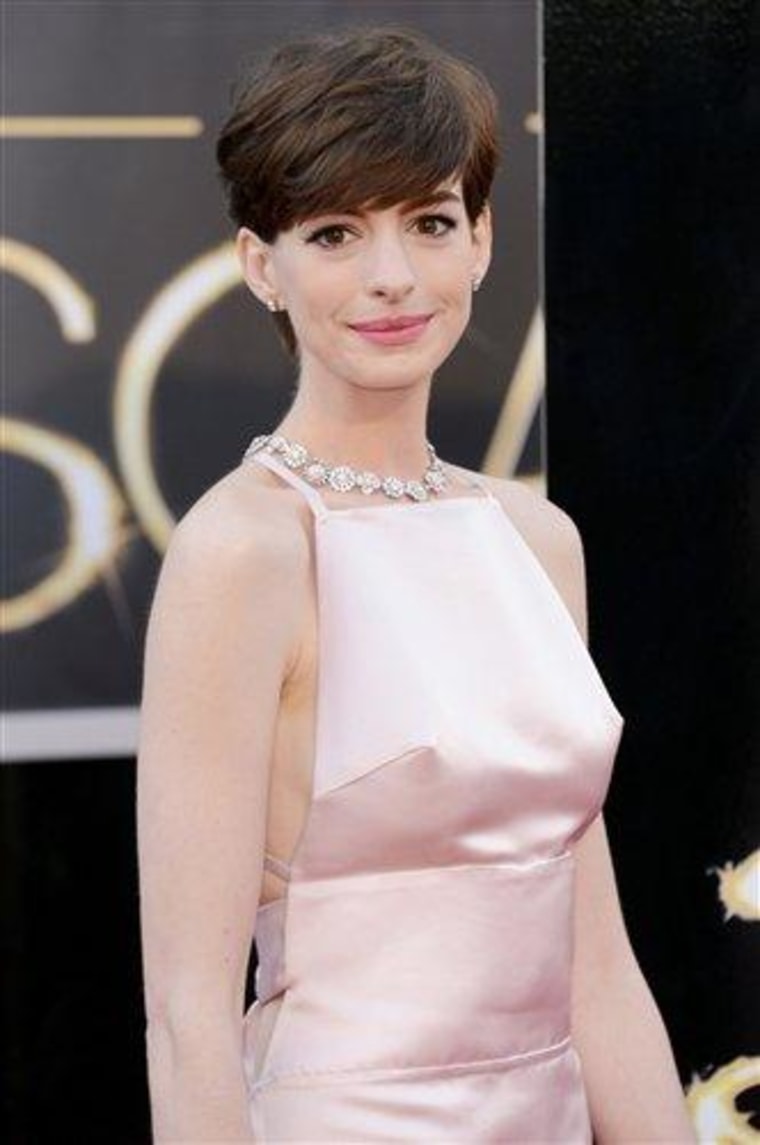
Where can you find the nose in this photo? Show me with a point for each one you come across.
(389, 272)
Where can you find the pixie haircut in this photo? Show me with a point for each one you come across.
(366, 118)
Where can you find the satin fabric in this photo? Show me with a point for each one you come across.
(420, 961)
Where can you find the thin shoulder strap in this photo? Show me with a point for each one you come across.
(256, 453)
(479, 481)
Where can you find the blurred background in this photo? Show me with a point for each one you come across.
(612, 363)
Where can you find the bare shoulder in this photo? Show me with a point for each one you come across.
(246, 516)
(541, 521)
(552, 535)
(238, 561)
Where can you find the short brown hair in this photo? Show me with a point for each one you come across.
(368, 117)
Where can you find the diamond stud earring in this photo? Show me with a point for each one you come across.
(476, 283)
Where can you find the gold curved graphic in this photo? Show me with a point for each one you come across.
(170, 313)
(100, 126)
(711, 1101)
(94, 515)
(73, 307)
(739, 888)
(518, 410)
(524, 392)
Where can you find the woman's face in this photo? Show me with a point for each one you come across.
(378, 298)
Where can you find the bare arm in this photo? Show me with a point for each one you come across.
(632, 1084)
(633, 1087)
(220, 640)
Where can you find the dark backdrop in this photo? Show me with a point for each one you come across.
(127, 218)
(653, 418)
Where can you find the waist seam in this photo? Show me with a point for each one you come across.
(337, 1074)
(517, 869)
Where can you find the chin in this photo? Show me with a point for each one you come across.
(404, 372)
(399, 365)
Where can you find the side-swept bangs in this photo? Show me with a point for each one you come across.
(371, 117)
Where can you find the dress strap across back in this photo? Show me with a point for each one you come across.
(277, 866)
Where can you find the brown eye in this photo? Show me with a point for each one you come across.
(330, 236)
(435, 225)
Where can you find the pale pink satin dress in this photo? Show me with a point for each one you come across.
(464, 740)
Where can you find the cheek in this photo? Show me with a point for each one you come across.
(454, 280)
(315, 294)
(306, 301)
(460, 318)
(457, 291)
(459, 307)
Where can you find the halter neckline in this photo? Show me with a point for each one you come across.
(323, 511)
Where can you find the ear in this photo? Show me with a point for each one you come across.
(482, 240)
(255, 257)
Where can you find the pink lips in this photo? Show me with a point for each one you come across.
(393, 331)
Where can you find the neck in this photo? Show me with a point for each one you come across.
(386, 435)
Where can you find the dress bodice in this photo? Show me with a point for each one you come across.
(464, 741)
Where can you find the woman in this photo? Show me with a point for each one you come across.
(371, 728)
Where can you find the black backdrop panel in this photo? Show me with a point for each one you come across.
(653, 418)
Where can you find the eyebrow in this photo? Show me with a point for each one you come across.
(429, 200)
(442, 196)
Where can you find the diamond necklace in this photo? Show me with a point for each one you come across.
(343, 478)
